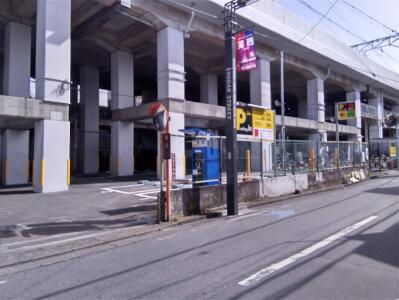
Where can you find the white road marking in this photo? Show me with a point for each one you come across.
(247, 215)
(115, 189)
(290, 260)
(2, 282)
(124, 186)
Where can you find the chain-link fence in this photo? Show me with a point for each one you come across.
(206, 158)
(383, 155)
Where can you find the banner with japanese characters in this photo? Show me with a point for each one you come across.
(245, 51)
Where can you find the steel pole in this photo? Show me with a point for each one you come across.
(282, 102)
(230, 93)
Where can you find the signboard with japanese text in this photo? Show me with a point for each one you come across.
(244, 120)
(392, 151)
(255, 123)
(245, 51)
(346, 110)
(263, 123)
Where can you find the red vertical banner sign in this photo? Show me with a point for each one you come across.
(245, 51)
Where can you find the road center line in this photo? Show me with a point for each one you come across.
(290, 260)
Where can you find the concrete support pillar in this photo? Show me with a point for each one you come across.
(376, 128)
(320, 136)
(17, 58)
(170, 64)
(51, 156)
(122, 96)
(16, 82)
(171, 81)
(53, 64)
(315, 105)
(209, 89)
(89, 119)
(355, 96)
(260, 94)
(53, 50)
(302, 108)
(260, 91)
(177, 146)
(15, 156)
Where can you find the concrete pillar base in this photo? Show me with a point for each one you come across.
(177, 147)
(51, 157)
(122, 141)
(15, 157)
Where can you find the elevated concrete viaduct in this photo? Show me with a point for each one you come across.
(78, 77)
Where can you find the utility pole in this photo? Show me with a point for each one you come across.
(282, 101)
(231, 99)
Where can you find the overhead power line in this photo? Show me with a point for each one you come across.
(302, 49)
(318, 22)
(368, 16)
(377, 43)
(331, 20)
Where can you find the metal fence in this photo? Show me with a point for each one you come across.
(383, 155)
(206, 158)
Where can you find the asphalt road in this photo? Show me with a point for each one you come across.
(91, 205)
(342, 244)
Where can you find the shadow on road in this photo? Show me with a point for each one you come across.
(394, 191)
(54, 228)
(88, 179)
(381, 246)
(16, 189)
(120, 211)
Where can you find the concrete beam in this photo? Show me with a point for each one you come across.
(178, 19)
(189, 108)
(198, 110)
(15, 107)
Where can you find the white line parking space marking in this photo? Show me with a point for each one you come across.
(116, 189)
(290, 260)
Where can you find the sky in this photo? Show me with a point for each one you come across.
(385, 11)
